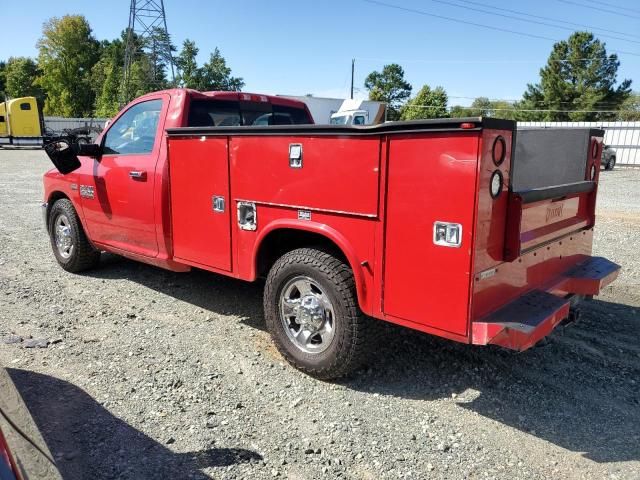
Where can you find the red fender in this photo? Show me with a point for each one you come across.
(327, 232)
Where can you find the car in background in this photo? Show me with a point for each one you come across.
(24, 454)
(608, 158)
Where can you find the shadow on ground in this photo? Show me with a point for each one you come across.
(87, 441)
(209, 291)
(580, 390)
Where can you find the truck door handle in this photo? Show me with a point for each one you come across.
(138, 174)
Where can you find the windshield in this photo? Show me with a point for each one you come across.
(340, 120)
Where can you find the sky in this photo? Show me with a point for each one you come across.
(297, 47)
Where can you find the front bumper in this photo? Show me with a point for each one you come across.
(523, 322)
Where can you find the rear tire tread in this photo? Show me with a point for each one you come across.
(349, 357)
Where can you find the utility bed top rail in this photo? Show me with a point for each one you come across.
(432, 125)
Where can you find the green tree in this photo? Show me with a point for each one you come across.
(579, 76)
(481, 107)
(427, 103)
(107, 78)
(215, 75)
(458, 111)
(20, 77)
(189, 75)
(67, 53)
(159, 51)
(3, 79)
(630, 109)
(390, 87)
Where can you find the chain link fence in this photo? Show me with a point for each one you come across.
(61, 125)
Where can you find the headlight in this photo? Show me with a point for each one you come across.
(496, 184)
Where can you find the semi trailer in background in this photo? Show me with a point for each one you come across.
(22, 125)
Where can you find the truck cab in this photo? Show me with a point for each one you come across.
(20, 122)
(350, 117)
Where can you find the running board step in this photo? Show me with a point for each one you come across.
(591, 276)
(522, 323)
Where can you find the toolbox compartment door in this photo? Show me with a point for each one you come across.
(337, 174)
(199, 174)
(430, 178)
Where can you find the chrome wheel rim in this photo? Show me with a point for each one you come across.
(307, 315)
(63, 236)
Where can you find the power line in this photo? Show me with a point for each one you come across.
(512, 100)
(521, 109)
(420, 12)
(537, 22)
(550, 19)
(598, 2)
(481, 25)
(571, 2)
(374, 59)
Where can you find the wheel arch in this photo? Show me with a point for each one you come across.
(52, 198)
(56, 195)
(283, 236)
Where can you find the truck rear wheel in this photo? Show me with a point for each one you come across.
(312, 313)
(70, 245)
(610, 164)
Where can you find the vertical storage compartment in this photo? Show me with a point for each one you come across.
(200, 205)
(430, 178)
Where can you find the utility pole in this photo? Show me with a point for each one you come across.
(147, 30)
(353, 69)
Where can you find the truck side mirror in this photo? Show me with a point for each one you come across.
(87, 149)
(62, 155)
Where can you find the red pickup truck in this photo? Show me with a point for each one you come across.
(467, 229)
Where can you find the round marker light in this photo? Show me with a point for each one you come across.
(496, 184)
(499, 150)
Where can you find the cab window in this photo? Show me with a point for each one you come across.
(358, 120)
(222, 113)
(25, 106)
(135, 131)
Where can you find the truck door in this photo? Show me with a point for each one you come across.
(118, 195)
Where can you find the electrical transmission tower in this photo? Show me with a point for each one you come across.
(147, 31)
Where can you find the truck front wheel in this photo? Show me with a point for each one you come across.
(70, 245)
(312, 313)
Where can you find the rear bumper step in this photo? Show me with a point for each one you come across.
(523, 322)
(589, 277)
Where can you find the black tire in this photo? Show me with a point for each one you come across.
(610, 164)
(352, 330)
(82, 255)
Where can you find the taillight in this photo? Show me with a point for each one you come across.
(495, 187)
(499, 150)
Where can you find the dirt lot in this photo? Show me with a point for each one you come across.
(150, 374)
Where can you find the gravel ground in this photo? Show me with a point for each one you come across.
(150, 374)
